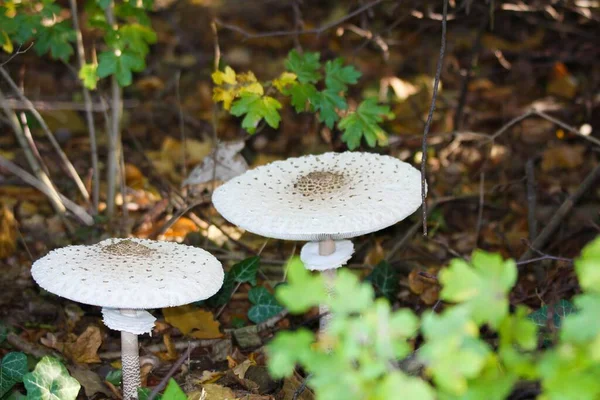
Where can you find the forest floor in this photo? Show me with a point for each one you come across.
(512, 142)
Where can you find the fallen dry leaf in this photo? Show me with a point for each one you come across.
(212, 391)
(8, 232)
(193, 321)
(562, 157)
(85, 348)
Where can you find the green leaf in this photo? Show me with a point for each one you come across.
(121, 64)
(364, 123)
(559, 311)
(3, 332)
(15, 395)
(587, 267)
(482, 285)
(303, 291)
(385, 279)
(287, 349)
(327, 103)
(518, 329)
(55, 39)
(137, 37)
(12, 370)
(245, 270)
(584, 325)
(256, 107)
(306, 66)
(89, 76)
(50, 380)
(265, 305)
(338, 76)
(104, 3)
(303, 96)
(173, 391)
(115, 377)
(397, 382)
(144, 394)
(349, 294)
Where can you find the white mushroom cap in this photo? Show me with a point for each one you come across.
(130, 274)
(140, 323)
(313, 261)
(332, 195)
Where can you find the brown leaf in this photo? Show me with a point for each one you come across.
(85, 348)
(8, 232)
(563, 157)
(193, 321)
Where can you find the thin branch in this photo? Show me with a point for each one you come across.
(16, 53)
(315, 31)
(436, 83)
(163, 383)
(63, 157)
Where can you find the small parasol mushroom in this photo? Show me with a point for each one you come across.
(125, 277)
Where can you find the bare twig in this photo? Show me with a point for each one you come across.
(63, 157)
(87, 99)
(49, 191)
(436, 83)
(16, 53)
(174, 368)
(315, 31)
(562, 212)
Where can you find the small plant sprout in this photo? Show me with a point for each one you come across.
(323, 199)
(126, 277)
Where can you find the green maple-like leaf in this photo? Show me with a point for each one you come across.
(364, 123)
(349, 294)
(327, 103)
(245, 270)
(584, 325)
(265, 305)
(121, 64)
(12, 370)
(587, 267)
(287, 349)
(89, 75)
(385, 279)
(338, 76)
(55, 39)
(481, 285)
(255, 107)
(397, 382)
(137, 37)
(50, 380)
(303, 291)
(306, 66)
(303, 95)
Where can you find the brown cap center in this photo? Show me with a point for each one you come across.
(128, 248)
(319, 182)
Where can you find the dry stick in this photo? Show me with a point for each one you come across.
(315, 31)
(31, 143)
(42, 178)
(155, 348)
(87, 98)
(171, 372)
(63, 157)
(561, 213)
(49, 191)
(436, 83)
(114, 134)
(64, 105)
(16, 53)
(481, 205)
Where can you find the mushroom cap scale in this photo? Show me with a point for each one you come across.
(315, 197)
(130, 273)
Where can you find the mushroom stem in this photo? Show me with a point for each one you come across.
(130, 360)
(326, 247)
(326, 316)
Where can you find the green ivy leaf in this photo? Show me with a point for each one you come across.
(3, 332)
(50, 380)
(327, 103)
(224, 294)
(115, 377)
(256, 107)
(559, 311)
(303, 291)
(245, 270)
(265, 305)
(12, 370)
(338, 76)
(587, 267)
(364, 123)
(481, 285)
(173, 391)
(121, 64)
(306, 66)
(89, 76)
(385, 279)
(287, 349)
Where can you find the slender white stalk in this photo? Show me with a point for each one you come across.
(130, 360)
(326, 247)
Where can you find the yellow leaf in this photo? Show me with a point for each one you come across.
(193, 321)
(255, 88)
(286, 78)
(7, 45)
(246, 77)
(220, 77)
(225, 95)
